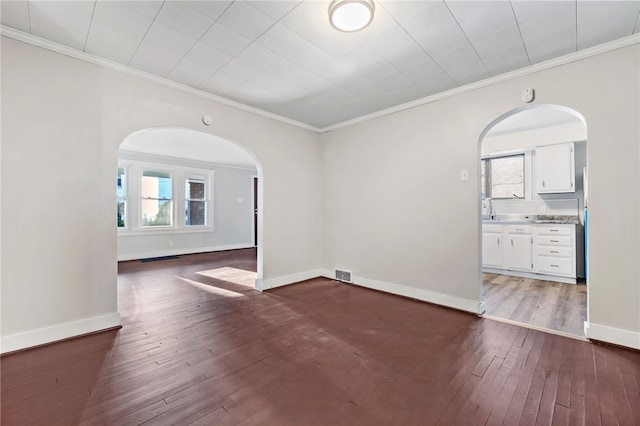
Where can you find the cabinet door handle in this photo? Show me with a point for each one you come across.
(543, 185)
(555, 266)
(554, 251)
(512, 242)
(554, 241)
(554, 230)
(498, 239)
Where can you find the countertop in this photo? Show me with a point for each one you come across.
(535, 219)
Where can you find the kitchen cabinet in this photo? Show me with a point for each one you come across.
(555, 168)
(492, 246)
(517, 247)
(539, 251)
(555, 250)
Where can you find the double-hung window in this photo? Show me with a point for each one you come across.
(156, 205)
(122, 197)
(195, 194)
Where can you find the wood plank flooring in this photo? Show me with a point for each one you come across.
(556, 306)
(200, 347)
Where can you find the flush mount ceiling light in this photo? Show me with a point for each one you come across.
(351, 15)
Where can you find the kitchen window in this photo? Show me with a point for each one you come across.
(502, 177)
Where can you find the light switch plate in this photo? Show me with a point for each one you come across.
(464, 175)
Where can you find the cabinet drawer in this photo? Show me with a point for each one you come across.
(553, 241)
(492, 227)
(565, 230)
(562, 252)
(518, 229)
(554, 266)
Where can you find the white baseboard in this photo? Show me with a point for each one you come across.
(178, 252)
(267, 284)
(617, 336)
(41, 336)
(467, 305)
(532, 275)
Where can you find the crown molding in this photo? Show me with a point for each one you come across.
(552, 63)
(87, 57)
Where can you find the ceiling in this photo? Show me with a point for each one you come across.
(284, 57)
(534, 118)
(187, 144)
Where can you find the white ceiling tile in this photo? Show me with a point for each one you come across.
(317, 61)
(259, 56)
(278, 85)
(275, 8)
(602, 21)
(65, 22)
(221, 83)
(212, 9)
(148, 8)
(481, 18)
(281, 40)
(251, 92)
(208, 56)
(191, 73)
(435, 83)
(225, 39)
(241, 69)
(183, 18)
(246, 20)
(502, 51)
(15, 14)
(117, 16)
(109, 43)
(154, 59)
(548, 28)
(463, 66)
(169, 38)
(298, 75)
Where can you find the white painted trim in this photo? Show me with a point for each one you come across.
(532, 275)
(178, 252)
(287, 279)
(552, 63)
(41, 336)
(177, 161)
(617, 336)
(442, 299)
(535, 327)
(77, 54)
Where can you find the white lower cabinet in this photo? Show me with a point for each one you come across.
(555, 250)
(531, 249)
(517, 247)
(492, 246)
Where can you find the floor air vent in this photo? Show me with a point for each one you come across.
(344, 276)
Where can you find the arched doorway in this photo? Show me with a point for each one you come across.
(182, 191)
(533, 199)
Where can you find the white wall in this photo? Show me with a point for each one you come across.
(232, 218)
(396, 214)
(62, 123)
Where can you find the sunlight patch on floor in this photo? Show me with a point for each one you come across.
(232, 275)
(211, 289)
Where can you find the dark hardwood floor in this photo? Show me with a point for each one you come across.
(199, 346)
(547, 304)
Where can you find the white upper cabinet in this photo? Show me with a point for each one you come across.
(555, 168)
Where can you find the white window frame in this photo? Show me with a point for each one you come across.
(527, 173)
(172, 199)
(179, 175)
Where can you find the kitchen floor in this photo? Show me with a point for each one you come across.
(556, 306)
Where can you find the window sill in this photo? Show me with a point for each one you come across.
(164, 231)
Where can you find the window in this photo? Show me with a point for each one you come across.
(172, 198)
(502, 177)
(122, 197)
(195, 201)
(156, 208)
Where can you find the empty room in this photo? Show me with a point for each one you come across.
(348, 212)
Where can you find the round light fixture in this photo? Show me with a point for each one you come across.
(351, 15)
